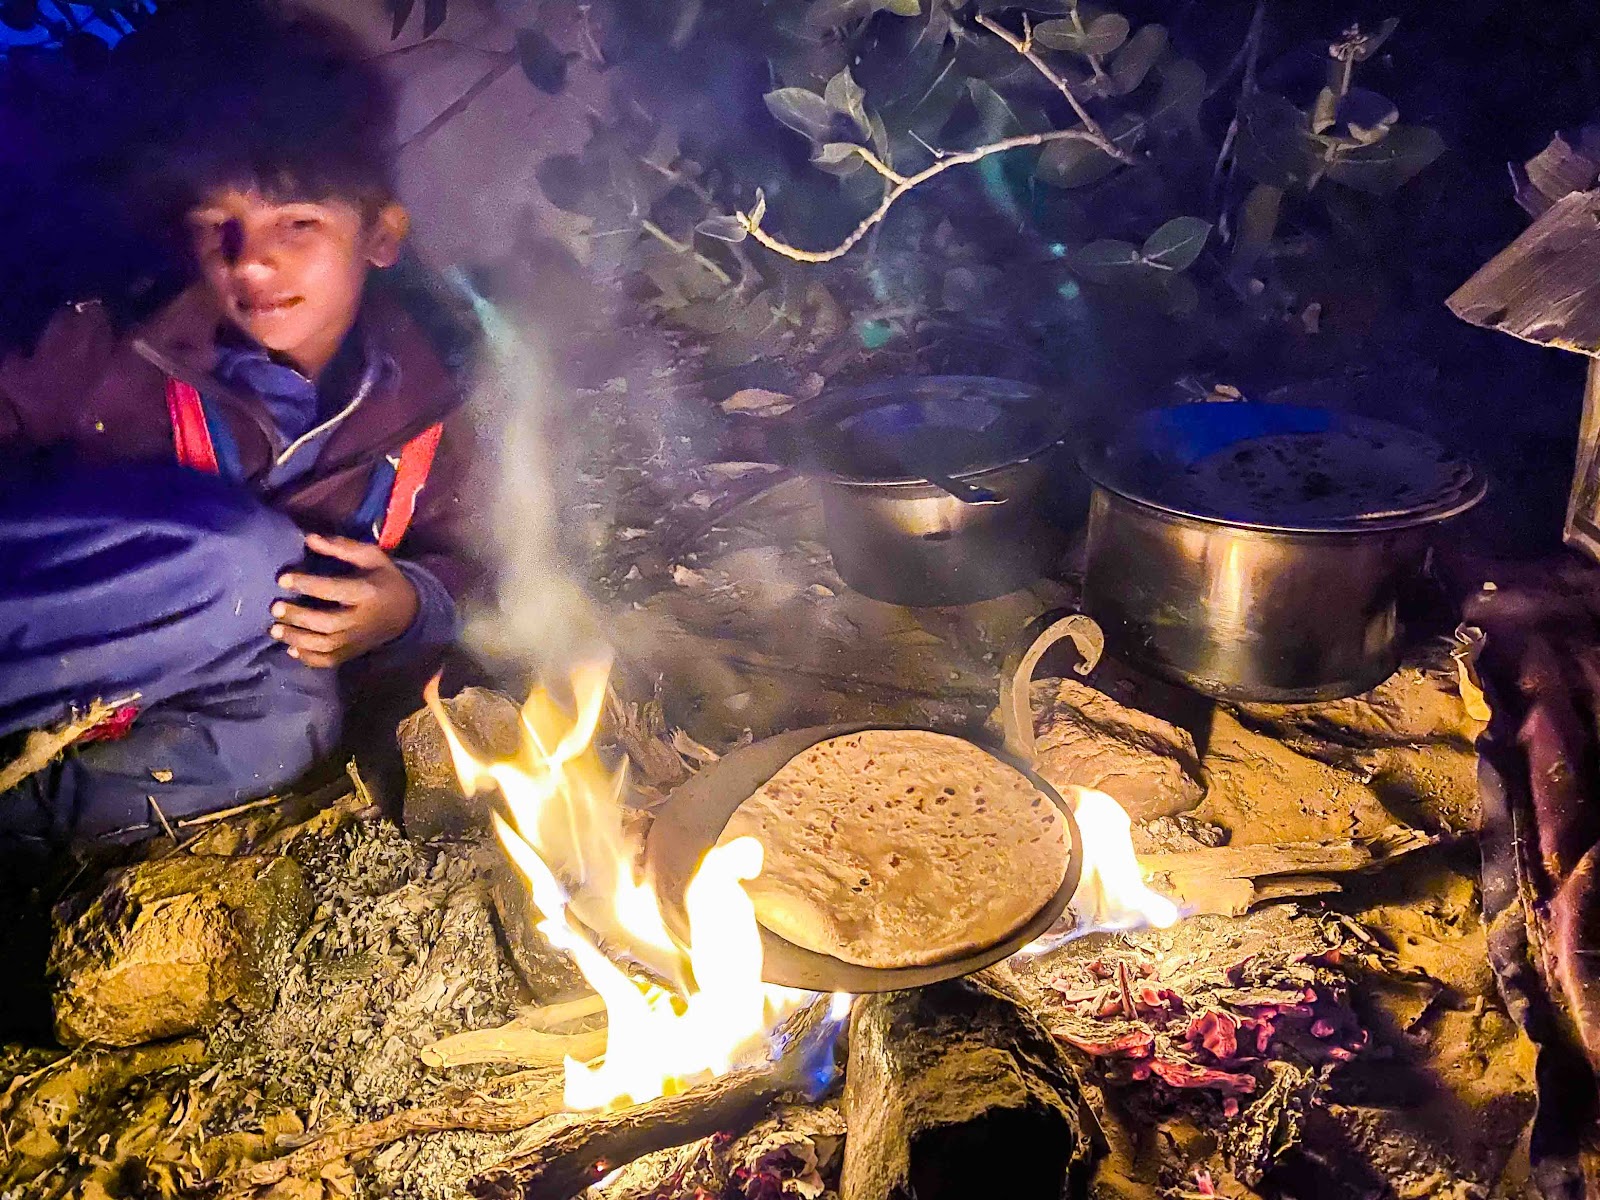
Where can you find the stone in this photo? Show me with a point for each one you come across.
(167, 947)
(490, 725)
(1084, 737)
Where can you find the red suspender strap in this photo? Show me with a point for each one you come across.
(189, 431)
(411, 472)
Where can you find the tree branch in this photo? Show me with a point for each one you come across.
(461, 104)
(677, 247)
(878, 165)
(1023, 47)
(906, 184)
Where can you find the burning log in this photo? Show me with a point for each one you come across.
(572, 1158)
(944, 1083)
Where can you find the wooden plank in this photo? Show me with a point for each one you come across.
(1582, 531)
(1544, 287)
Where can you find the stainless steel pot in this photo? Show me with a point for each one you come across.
(951, 518)
(915, 544)
(1252, 610)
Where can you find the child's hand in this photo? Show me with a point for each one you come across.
(376, 604)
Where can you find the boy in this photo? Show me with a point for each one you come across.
(233, 515)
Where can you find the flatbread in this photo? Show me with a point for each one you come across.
(900, 848)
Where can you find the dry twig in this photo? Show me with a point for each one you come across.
(42, 746)
(752, 224)
(472, 1111)
(1024, 47)
(1090, 131)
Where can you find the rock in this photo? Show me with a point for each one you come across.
(490, 726)
(166, 947)
(1084, 737)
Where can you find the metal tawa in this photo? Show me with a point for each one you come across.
(692, 819)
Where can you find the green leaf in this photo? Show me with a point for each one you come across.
(1382, 167)
(845, 95)
(1073, 163)
(832, 153)
(801, 110)
(1257, 221)
(1182, 92)
(1099, 36)
(900, 8)
(1106, 261)
(399, 9)
(1275, 146)
(723, 227)
(433, 14)
(1001, 118)
(1134, 61)
(567, 182)
(544, 65)
(1179, 295)
(1176, 244)
(837, 158)
(835, 14)
(1366, 114)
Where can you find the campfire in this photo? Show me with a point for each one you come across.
(563, 830)
(681, 1013)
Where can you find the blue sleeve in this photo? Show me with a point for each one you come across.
(436, 623)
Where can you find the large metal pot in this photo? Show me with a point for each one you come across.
(910, 542)
(1247, 597)
(937, 490)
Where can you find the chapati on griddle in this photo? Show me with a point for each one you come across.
(899, 848)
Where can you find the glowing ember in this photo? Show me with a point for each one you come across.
(1112, 893)
(564, 832)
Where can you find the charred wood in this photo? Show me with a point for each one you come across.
(569, 1160)
(953, 1087)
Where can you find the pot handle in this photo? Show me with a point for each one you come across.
(1016, 678)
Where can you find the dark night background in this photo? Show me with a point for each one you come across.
(1495, 79)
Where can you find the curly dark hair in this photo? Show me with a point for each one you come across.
(251, 94)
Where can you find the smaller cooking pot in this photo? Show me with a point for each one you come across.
(1258, 551)
(935, 490)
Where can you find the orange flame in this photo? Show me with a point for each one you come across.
(563, 830)
(1111, 893)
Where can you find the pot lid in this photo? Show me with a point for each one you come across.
(954, 425)
(1284, 467)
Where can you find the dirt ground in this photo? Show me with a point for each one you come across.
(717, 586)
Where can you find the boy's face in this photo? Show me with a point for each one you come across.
(290, 273)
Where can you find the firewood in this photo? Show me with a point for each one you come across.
(1228, 880)
(472, 1111)
(571, 1159)
(955, 1088)
(527, 1040)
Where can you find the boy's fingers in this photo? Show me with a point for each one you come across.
(304, 640)
(312, 659)
(318, 620)
(325, 587)
(357, 554)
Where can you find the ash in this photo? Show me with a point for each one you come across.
(401, 950)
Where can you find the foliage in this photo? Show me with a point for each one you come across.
(963, 182)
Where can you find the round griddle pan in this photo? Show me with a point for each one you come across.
(691, 820)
